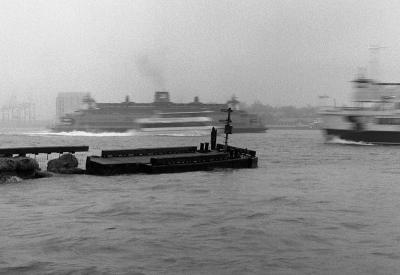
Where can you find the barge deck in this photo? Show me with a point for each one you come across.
(169, 160)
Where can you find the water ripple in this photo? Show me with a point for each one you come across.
(308, 207)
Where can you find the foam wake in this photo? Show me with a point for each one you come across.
(183, 133)
(337, 140)
(82, 134)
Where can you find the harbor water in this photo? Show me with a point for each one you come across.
(310, 208)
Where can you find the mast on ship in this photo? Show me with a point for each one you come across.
(228, 127)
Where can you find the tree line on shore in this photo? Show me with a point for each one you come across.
(284, 115)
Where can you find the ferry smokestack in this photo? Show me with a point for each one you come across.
(161, 96)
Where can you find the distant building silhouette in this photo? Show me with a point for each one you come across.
(18, 111)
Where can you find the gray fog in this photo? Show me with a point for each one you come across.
(278, 52)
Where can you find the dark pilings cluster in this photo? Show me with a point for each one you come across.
(204, 147)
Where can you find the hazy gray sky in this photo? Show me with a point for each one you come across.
(280, 52)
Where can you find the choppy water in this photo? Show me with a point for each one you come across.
(310, 208)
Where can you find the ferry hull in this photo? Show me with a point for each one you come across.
(166, 129)
(376, 137)
(58, 129)
(249, 130)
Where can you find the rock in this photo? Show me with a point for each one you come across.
(9, 179)
(26, 164)
(7, 165)
(14, 169)
(66, 164)
(26, 167)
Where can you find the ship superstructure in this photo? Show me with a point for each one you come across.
(161, 113)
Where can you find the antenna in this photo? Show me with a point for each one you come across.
(228, 127)
(374, 61)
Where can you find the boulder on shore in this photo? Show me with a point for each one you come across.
(7, 164)
(14, 168)
(65, 164)
(26, 167)
(9, 179)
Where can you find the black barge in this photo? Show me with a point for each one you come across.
(169, 160)
(173, 159)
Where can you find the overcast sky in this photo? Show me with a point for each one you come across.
(279, 52)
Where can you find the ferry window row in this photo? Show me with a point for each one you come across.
(388, 120)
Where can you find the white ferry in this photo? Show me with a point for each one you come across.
(176, 121)
(373, 118)
(159, 114)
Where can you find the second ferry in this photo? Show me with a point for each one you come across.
(373, 118)
(159, 115)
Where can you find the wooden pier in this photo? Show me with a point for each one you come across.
(22, 151)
